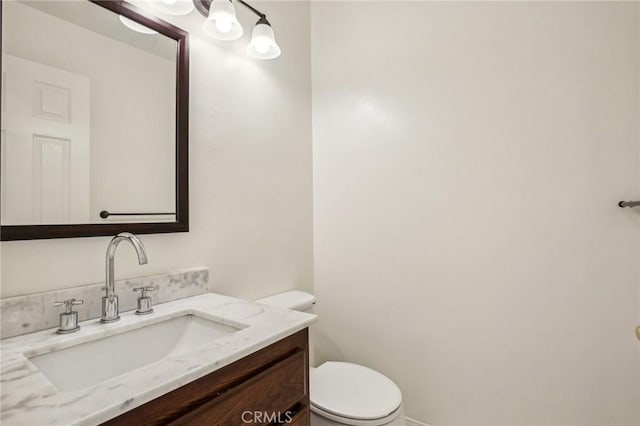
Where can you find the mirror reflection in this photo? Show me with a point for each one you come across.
(88, 116)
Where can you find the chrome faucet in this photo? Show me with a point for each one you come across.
(110, 312)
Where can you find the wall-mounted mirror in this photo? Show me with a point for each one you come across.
(94, 120)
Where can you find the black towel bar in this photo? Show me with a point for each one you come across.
(629, 204)
(105, 214)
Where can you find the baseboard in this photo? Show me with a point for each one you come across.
(413, 422)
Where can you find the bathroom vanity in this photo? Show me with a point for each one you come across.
(270, 386)
(202, 360)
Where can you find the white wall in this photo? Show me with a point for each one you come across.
(250, 171)
(468, 158)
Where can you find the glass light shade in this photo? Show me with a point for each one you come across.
(172, 7)
(133, 25)
(263, 43)
(222, 23)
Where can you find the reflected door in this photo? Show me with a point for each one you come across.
(45, 143)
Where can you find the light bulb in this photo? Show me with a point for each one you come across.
(262, 46)
(223, 25)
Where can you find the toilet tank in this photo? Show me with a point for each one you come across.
(294, 299)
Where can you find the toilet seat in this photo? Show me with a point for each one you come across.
(355, 422)
(353, 394)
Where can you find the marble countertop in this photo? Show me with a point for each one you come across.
(28, 398)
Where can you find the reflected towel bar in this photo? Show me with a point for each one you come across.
(629, 204)
(105, 214)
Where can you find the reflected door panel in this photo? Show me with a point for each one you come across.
(46, 144)
(51, 169)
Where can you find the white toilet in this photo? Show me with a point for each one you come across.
(343, 393)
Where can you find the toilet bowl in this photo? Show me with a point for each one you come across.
(343, 393)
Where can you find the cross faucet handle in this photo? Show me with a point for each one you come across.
(144, 290)
(145, 306)
(69, 318)
(68, 304)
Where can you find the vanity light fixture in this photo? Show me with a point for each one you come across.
(221, 23)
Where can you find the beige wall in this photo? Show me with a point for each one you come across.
(250, 171)
(468, 158)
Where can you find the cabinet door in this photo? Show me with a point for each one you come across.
(268, 398)
(301, 418)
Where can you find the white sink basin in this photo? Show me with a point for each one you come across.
(93, 362)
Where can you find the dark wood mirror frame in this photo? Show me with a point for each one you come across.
(32, 232)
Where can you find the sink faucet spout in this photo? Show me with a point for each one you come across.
(110, 311)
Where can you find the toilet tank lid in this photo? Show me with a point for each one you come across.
(294, 299)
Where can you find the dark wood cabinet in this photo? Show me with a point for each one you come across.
(268, 387)
(301, 418)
